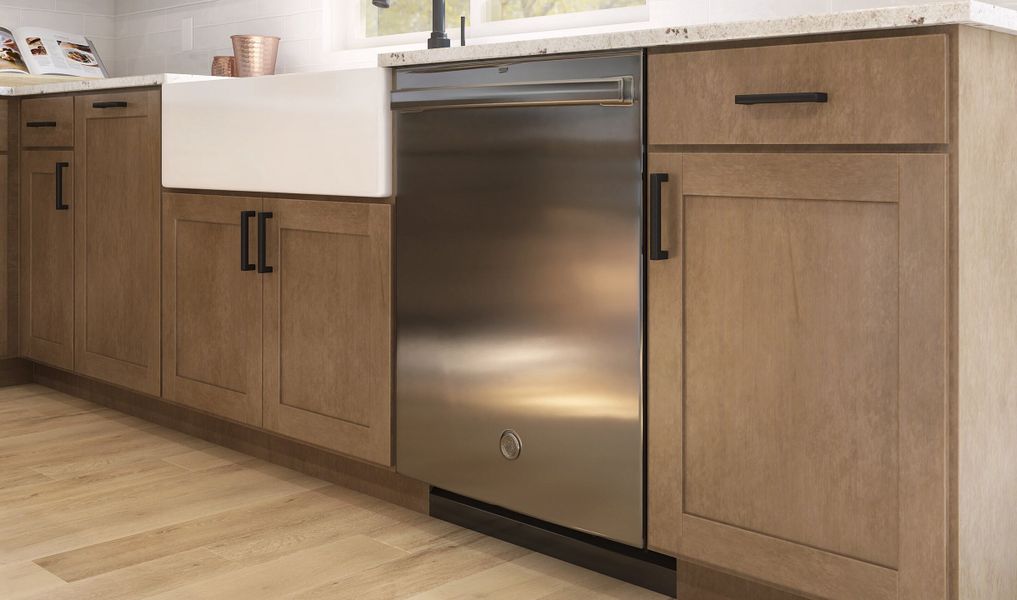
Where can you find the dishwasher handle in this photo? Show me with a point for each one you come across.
(611, 91)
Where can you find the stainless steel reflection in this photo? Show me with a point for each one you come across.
(518, 277)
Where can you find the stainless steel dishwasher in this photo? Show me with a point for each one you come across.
(518, 286)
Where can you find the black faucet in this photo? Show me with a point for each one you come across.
(438, 39)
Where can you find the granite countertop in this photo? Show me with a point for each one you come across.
(967, 12)
(86, 85)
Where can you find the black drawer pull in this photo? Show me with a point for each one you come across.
(262, 250)
(657, 181)
(41, 124)
(59, 172)
(117, 104)
(788, 98)
(245, 240)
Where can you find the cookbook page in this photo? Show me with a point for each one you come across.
(50, 52)
(11, 58)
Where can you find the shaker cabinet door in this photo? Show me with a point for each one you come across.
(211, 305)
(47, 257)
(328, 326)
(797, 383)
(116, 236)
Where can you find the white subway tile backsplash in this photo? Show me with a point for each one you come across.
(106, 48)
(126, 7)
(303, 26)
(99, 26)
(173, 17)
(231, 11)
(293, 53)
(214, 36)
(145, 64)
(63, 21)
(38, 4)
(92, 7)
(140, 24)
(10, 17)
(267, 26)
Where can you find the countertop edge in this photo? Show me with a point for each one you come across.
(968, 12)
(111, 83)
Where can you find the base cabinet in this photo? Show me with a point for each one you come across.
(116, 237)
(47, 257)
(89, 284)
(287, 328)
(797, 381)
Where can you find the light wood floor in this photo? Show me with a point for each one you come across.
(95, 504)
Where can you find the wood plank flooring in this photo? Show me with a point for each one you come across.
(95, 504)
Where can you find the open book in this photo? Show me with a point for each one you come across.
(31, 50)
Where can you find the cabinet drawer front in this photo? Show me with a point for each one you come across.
(47, 122)
(877, 91)
(118, 104)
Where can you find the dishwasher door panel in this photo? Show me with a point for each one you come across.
(518, 292)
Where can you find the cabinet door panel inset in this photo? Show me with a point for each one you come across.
(323, 283)
(796, 374)
(328, 326)
(212, 309)
(47, 259)
(791, 370)
(117, 320)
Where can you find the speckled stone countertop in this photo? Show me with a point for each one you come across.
(968, 12)
(88, 85)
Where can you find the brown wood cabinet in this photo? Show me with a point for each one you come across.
(47, 257)
(301, 342)
(116, 236)
(328, 331)
(797, 370)
(90, 283)
(831, 340)
(891, 90)
(47, 122)
(212, 310)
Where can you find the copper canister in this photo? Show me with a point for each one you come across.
(224, 66)
(255, 54)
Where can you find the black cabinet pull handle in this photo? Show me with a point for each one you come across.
(60, 166)
(656, 182)
(245, 240)
(115, 104)
(262, 251)
(41, 124)
(792, 97)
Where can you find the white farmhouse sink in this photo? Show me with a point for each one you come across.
(326, 133)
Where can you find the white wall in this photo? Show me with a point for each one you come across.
(149, 32)
(94, 18)
(147, 36)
